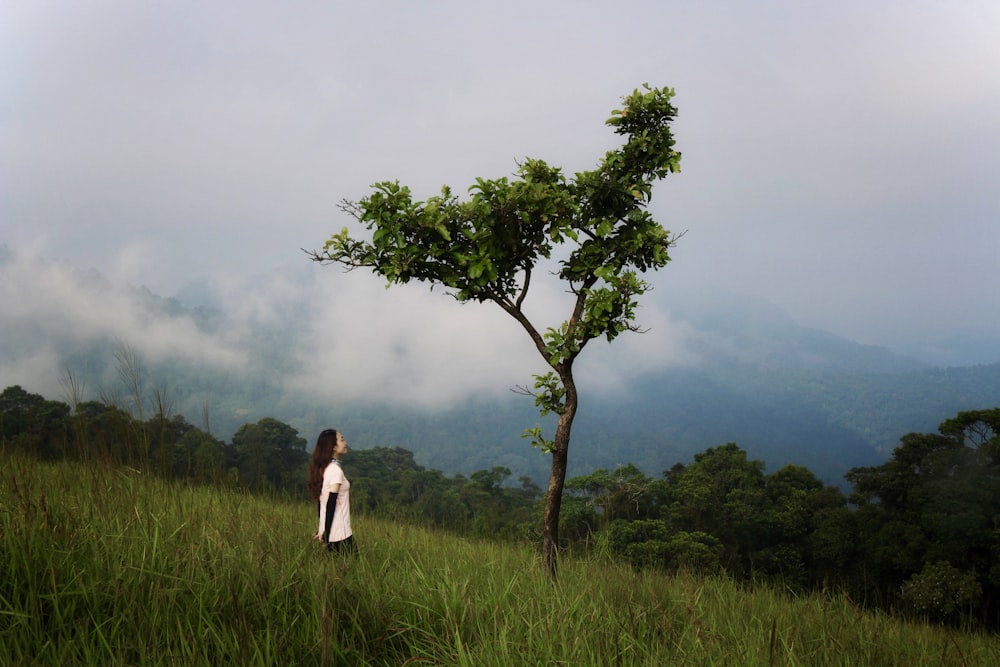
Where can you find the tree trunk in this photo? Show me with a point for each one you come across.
(557, 480)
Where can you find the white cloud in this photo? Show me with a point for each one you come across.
(51, 305)
(406, 344)
(410, 345)
(353, 338)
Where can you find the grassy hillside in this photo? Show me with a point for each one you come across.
(107, 566)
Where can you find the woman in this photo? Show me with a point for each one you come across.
(330, 490)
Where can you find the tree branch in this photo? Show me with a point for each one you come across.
(514, 311)
(325, 259)
(524, 288)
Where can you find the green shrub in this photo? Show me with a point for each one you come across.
(941, 591)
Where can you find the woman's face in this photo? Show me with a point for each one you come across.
(341, 446)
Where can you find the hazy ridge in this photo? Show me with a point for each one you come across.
(784, 393)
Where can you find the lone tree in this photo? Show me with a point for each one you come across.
(487, 248)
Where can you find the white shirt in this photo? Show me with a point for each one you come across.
(340, 529)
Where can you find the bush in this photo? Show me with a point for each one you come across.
(651, 542)
(941, 590)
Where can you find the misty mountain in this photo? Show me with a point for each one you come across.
(784, 393)
(736, 330)
(750, 375)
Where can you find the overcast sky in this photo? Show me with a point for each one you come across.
(840, 159)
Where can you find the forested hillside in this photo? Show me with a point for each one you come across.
(827, 421)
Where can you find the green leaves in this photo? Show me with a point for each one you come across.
(537, 440)
(486, 246)
(550, 394)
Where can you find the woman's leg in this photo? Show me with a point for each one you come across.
(345, 546)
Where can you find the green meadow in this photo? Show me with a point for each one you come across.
(109, 566)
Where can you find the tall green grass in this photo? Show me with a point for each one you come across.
(106, 566)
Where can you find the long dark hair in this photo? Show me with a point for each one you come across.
(321, 457)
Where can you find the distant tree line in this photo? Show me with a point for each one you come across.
(268, 456)
(919, 533)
